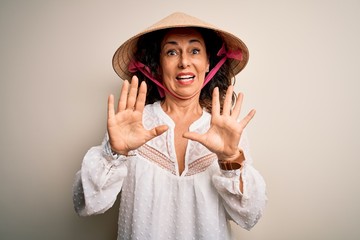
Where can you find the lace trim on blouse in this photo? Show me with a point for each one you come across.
(197, 166)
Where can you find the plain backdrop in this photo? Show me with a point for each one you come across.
(303, 79)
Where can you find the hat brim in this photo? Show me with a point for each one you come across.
(125, 53)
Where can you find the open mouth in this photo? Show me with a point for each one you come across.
(185, 78)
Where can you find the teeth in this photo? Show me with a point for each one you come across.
(185, 77)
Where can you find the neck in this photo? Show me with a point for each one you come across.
(182, 109)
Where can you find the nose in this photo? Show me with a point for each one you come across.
(184, 60)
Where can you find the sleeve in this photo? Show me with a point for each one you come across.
(244, 208)
(99, 180)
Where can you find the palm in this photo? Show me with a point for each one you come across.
(223, 135)
(125, 128)
(225, 131)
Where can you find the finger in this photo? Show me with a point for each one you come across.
(215, 110)
(123, 96)
(140, 102)
(227, 101)
(237, 108)
(132, 93)
(111, 111)
(244, 122)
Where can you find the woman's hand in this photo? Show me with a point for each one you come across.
(125, 128)
(225, 131)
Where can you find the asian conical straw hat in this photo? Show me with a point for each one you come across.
(125, 53)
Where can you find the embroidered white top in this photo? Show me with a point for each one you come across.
(158, 203)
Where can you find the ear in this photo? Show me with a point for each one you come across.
(208, 66)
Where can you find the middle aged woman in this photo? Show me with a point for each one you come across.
(175, 147)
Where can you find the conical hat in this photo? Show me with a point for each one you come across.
(125, 53)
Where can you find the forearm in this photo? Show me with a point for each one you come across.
(98, 182)
(244, 196)
(232, 166)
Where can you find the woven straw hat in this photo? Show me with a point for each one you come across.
(125, 53)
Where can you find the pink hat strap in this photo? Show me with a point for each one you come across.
(138, 66)
(237, 54)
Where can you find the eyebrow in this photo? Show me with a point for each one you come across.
(176, 43)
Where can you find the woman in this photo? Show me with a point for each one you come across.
(175, 148)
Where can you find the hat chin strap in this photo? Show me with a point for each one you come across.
(237, 54)
(135, 66)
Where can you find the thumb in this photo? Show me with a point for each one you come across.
(194, 136)
(156, 131)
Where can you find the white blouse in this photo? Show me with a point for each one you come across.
(156, 202)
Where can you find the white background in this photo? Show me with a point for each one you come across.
(303, 78)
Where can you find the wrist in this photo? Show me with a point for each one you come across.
(232, 163)
(113, 155)
(115, 151)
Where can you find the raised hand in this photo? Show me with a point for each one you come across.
(224, 134)
(125, 128)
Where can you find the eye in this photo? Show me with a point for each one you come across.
(195, 51)
(171, 53)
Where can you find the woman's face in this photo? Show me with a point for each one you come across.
(184, 62)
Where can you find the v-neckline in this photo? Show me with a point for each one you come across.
(171, 137)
